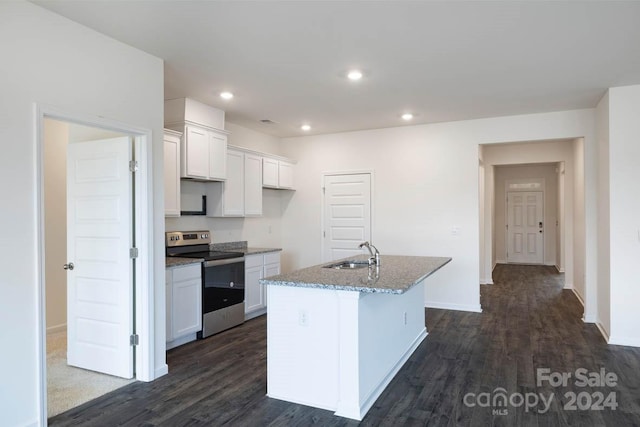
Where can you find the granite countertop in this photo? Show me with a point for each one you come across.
(172, 261)
(226, 246)
(395, 275)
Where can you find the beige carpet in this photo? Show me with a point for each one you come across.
(68, 387)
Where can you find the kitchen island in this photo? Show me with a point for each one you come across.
(337, 337)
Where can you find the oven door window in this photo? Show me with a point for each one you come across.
(223, 286)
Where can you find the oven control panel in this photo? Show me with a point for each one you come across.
(187, 238)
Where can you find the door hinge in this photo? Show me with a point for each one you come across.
(324, 234)
(324, 190)
(134, 339)
(133, 253)
(133, 165)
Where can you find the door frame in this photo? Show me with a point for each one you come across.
(143, 237)
(323, 175)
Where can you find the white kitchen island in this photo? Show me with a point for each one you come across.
(336, 338)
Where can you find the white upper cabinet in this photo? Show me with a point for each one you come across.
(252, 185)
(171, 173)
(241, 193)
(204, 141)
(277, 174)
(195, 150)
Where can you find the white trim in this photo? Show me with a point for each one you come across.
(603, 332)
(144, 291)
(323, 175)
(575, 292)
(458, 307)
(56, 329)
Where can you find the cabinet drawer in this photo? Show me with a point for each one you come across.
(272, 257)
(185, 273)
(253, 261)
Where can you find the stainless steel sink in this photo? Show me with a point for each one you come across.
(348, 265)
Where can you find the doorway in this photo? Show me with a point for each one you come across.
(346, 214)
(52, 315)
(76, 360)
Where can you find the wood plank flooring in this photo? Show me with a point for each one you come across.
(528, 322)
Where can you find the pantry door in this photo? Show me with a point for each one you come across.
(525, 231)
(346, 214)
(99, 265)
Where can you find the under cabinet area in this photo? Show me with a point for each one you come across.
(277, 174)
(183, 285)
(258, 267)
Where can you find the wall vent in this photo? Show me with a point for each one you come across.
(268, 122)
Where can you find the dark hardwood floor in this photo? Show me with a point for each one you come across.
(528, 322)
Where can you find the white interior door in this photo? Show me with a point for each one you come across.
(525, 227)
(99, 237)
(347, 214)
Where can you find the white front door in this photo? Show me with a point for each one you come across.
(347, 214)
(99, 237)
(525, 227)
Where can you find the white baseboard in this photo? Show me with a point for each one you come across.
(569, 286)
(56, 329)
(576, 294)
(181, 341)
(499, 261)
(457, 307)
(627, 341)
(254, 314)
(603, 332)
(161, 371)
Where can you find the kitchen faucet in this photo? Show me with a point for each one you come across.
(375, 258)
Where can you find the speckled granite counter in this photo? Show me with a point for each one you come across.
(172, 261)
(395, 275)
(242, 246)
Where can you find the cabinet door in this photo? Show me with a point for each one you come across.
(271, 268)
(168, 305)
(196, 153)
(269, 172)
(285, 175)
(217, 156)
(252, 289)
(234, 185)
(171, 175)
(252, 185)
(187, 301)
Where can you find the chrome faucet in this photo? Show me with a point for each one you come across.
(375, 257)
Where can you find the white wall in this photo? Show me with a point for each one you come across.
(52, 61)
(263, 231)
(604, 252)
(504, 174)
(624, 176)
(580, 233)
(426, 182)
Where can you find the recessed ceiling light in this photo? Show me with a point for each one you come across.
(226, 95)
(305, 128)
(407, 116)
(354, 75)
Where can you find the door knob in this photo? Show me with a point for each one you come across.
(69, 266)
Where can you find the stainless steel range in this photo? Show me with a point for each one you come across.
(222, 279)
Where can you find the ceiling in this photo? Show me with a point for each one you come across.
(286, 61)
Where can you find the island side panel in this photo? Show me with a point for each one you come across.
(302, 346)
(390, 328)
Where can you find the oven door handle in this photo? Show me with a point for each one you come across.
(218, 262)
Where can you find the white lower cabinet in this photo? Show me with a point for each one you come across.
(258, 267)
(184, 304)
